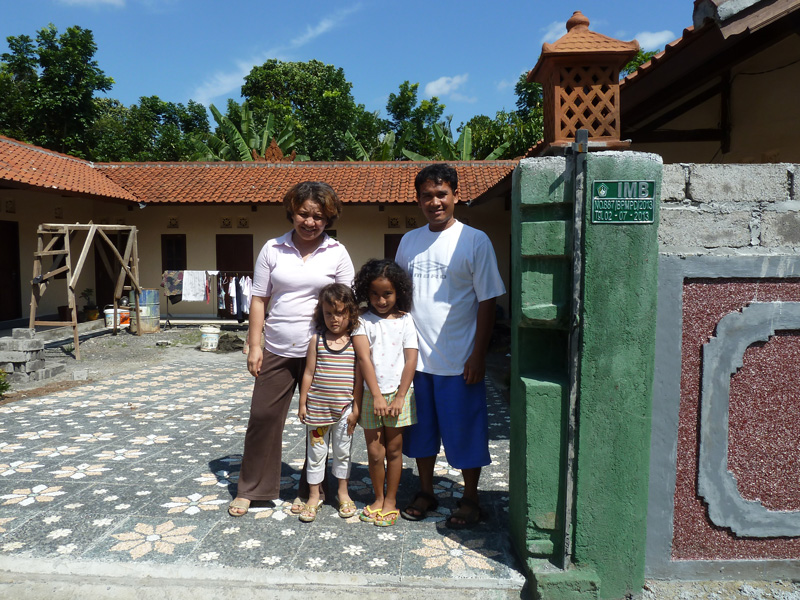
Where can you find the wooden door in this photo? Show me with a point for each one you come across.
(10, 303)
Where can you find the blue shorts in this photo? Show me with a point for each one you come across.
(451, 413)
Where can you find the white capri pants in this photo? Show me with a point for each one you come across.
(319, 440)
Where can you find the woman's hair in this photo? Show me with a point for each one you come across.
(320, 194)
(376, 268)
(333, 293)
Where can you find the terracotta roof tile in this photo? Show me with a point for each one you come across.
(230, 182)
(258, 182)
(38, 167)
(579, 39)
(689, 35)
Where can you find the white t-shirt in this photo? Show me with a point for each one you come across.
(294, 286)
(387, 340)
(452, 270)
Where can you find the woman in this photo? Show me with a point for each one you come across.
(289, 274)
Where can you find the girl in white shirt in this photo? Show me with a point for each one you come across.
(386, 346)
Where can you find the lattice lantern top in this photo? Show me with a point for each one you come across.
(579, 74)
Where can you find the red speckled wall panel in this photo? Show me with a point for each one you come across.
(764, 431)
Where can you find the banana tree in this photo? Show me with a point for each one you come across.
(242, 141)
(387, 147)
(460, 150)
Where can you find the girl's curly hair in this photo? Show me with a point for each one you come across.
(333, 293)
(376, 268)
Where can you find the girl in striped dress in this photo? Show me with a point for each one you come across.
(331, 381)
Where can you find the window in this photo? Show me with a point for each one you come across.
(173, 252)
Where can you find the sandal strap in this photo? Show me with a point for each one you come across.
(433, 501)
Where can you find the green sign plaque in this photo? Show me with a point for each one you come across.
(623, 201)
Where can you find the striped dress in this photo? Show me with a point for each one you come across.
(331, 388)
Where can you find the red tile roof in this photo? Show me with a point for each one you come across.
(37, 167)
(354, 182)
(689, 35)
(226, 182)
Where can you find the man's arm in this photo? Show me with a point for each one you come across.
(475, 367)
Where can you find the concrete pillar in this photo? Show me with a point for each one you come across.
(607, 524)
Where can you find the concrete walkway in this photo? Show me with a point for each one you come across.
(119, 489)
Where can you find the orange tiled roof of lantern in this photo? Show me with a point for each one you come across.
(260, 182)
(35, 167)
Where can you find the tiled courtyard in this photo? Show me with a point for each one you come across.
(138, 469)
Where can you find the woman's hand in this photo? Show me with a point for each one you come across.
(254, 358)
(352, 421)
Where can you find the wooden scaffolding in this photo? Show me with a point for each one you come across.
(57, 248)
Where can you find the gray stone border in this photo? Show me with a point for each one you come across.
(666, 403)
(722, 356)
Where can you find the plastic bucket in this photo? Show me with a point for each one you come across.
(150, 309)
(209, 338)
(123, 316)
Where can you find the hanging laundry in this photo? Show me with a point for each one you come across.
(232, 295)
(194, 286)
(247, 292)
(239, 301)
(172, 282)
(221, 293)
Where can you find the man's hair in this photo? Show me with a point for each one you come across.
(437, 173)
(320, 194)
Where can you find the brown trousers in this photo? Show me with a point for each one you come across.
(260, 475)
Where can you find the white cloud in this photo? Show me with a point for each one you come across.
(552, 32)
(445, 85)
(504, 84)
(119, 3)
(654, 40)
(462, 98)
(225, 82)
(323, 26)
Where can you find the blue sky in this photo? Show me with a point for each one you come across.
(466, 53)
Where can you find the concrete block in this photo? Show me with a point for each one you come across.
(80, 374)
(738, 183)
(21, 345)
(7, 367)
(22, 333)
(541, 181)
(691, 228)
(18, 377)
(10, 356)
(34, 365)
(673, 183)
(55, 369)
(780, 229)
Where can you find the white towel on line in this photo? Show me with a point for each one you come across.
(194, 286)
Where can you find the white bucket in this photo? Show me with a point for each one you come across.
(123, 317)
(209, 338)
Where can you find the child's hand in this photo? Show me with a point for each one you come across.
(301, 414)
(381, 408)
(396, 407)
(352, 421)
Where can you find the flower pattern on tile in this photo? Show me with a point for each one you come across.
(193, 504)
(451, 552)
(67, 548)
(9, 447)
(56, 412)
(271, 560)
(328, 535)
(353, 550)
(59, 533)
(250, 544)
(51, 519)
(151, 439)
(315, 562)
(150, 416)
(85, 403)
(119, 454)
(102, 522)
(145, 538)
(80, 471)
(208, 556)
(3, 521)
(378, 562)
(43, 434)
(95, 414)
(27, 496)
(18, 466)
(13, 408)
(270, 513)
(11, 546)
(57, 451)
(91, 438)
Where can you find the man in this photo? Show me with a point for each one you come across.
(456, 282)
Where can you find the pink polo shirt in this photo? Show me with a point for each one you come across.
(293, 286)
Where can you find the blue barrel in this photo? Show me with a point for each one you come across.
(150, 309)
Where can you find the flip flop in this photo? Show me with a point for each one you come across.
(367, 515)
(471, 517)
(433, 504)
(309, 512)
(297, 506)
(238, 504)
(347, 509)
(386, 519)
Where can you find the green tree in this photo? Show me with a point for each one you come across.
(152, 130)
(413, 120)
(642, 56)
(315, 98)
(237, 137)
(48, 88)
(515, 130)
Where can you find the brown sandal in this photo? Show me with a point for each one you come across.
(473, 515)
(432, 504)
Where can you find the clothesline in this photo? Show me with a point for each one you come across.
(234, 289)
